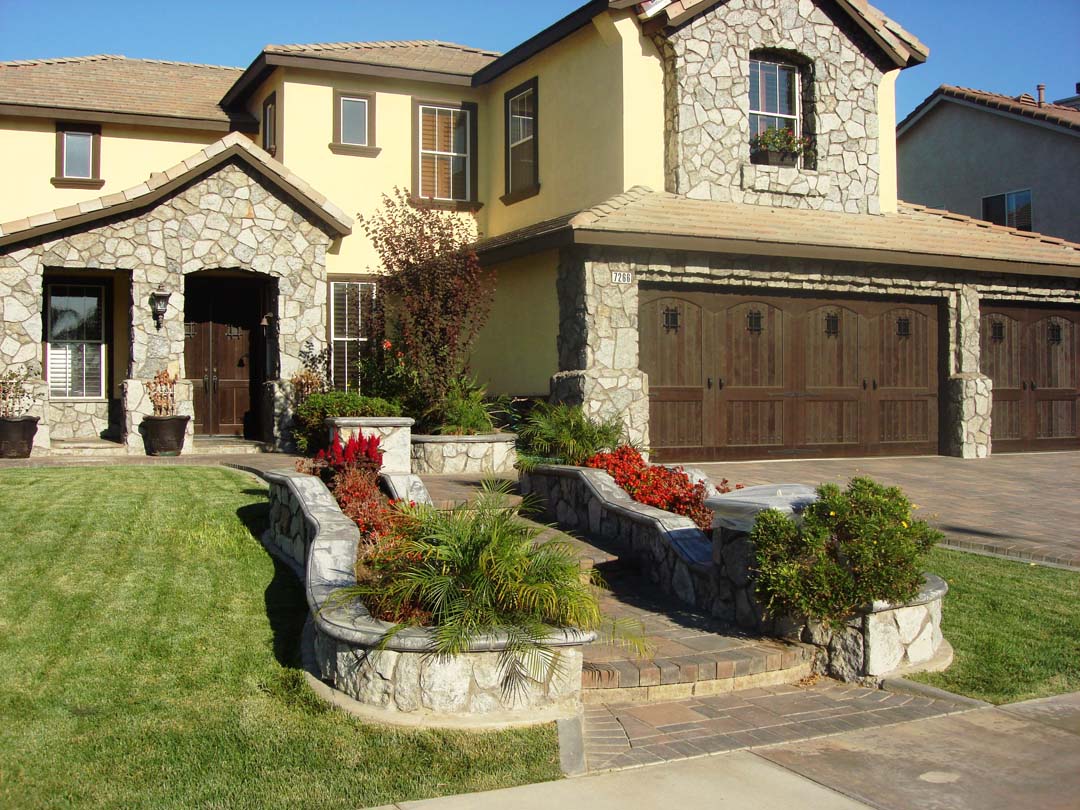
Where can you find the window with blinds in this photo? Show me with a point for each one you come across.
(444, 152)
(76, 341)
(521, 151)
(774, 97)
(350, 313)
(1013, 210)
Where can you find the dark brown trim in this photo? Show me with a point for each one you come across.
(549, 240)
(510, 197)
(337, 145)
(471, 204)
(242, 123)
(271, 145)
(158, 193)
(94, 180)
(549, 36)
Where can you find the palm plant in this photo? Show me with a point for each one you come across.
(563, 433)
(478, 571)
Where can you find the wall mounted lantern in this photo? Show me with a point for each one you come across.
(159, 305)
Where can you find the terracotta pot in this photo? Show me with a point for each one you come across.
(17, 436)
(164, 435)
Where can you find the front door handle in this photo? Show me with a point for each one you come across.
(1032, 385)
(875, 385)
(708, 383)
(215, 380)
(206, 380)
(1024, 385)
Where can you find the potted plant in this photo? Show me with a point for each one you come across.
(779, 147)
(163, 433)
(17, 428)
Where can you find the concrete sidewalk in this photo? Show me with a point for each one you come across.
(998, 758)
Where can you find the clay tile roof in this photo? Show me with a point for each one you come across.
(1023, 105)
(914, 235)
(116, 84)
(162, 183)
(418, 54)
(904, 47)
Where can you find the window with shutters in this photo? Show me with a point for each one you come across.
(522, 153)
(350, 312)
(445, 142)
(1013, 210)
(75, 326)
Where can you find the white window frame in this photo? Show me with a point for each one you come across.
(341, 119)
(421, 108)
(334, 338)
(529, 91)
(89, 136)
(1007, 195)
(100, 344)
(796, 119)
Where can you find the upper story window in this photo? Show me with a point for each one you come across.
(445, 141)
(775, 104)
(522, 142)
(75, 326)
(78, 156)
(1012, 210)
(354, 124)
(270, 124)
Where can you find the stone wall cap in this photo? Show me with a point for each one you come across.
(479, 438)
(369, 421)
(934, 588)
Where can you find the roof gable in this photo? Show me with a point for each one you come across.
(1023, 108)
(233, 146)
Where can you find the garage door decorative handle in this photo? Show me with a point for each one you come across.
(709, 383)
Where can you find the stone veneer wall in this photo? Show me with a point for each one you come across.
(707, 89)
(598, 331)
(488, 453)
(713, 575)
(227, 220)
(401, 680)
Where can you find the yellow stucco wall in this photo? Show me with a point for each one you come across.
(887, 178)
(516, 352)
(128, 156)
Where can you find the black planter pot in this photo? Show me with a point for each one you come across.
(767, 157)
(17, 436)
(164, 435)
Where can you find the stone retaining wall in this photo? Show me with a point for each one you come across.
(714, 575)
(484, 454)
(401, 680)
(394, 437)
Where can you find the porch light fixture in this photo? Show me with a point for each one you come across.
(753, 322)
(832, 325)
(159, 305)
(1053, 334)
(903, 327)
(671, 320)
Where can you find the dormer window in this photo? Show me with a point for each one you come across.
(774, 98)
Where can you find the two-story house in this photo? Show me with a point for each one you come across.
(648, 265)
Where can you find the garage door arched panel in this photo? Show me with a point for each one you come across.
(904, 379)
(1053, 377)
(833, 359)
(671, 354)
(1001, 354)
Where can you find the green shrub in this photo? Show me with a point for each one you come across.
(564, 434)
(854, 546)
(464, 411)
(309, 427)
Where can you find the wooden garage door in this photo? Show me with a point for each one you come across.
(1031, 354)
(751, 376)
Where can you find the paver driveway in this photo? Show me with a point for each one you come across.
(1024, 505)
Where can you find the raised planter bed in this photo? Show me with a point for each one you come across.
(713, 574)
(483, 454)
(394, 433)
(401, 681)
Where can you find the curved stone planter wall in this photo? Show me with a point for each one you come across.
(403, 682)
(715, 577)
(394, 434)
(484, 454)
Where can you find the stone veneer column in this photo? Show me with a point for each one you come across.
(598, 343)
(968, 392)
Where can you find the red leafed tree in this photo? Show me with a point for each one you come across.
(435, 296)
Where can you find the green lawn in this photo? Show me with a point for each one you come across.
(148, 652)
(1015, 628)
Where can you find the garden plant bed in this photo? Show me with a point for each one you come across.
(153, 646)
(483, 454)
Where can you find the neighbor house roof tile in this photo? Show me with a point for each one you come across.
(1023, 105)
(418, 54)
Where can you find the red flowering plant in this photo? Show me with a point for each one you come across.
(360, 452)
(666, 488)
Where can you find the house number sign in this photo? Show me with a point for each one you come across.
(622, 277)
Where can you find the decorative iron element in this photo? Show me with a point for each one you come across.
(233, 332)
(191, 329)
(903, 327)
(671, 320)
(997, 331)
(159, 305)
(1053, 334)
(754, 322)
(832, 324)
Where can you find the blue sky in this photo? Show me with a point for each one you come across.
(995, 45)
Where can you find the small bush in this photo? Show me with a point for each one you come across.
(310, 431)
(563, 434)
(464, 412)
(662, 487)
(356, 490)
(854, 546)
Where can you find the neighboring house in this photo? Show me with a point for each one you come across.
(647, 266)
(1011, 161)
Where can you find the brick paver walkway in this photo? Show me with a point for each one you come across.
(631, 735)
(1024, 505)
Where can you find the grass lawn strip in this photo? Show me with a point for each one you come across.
(149, 654)
(1015, 628)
